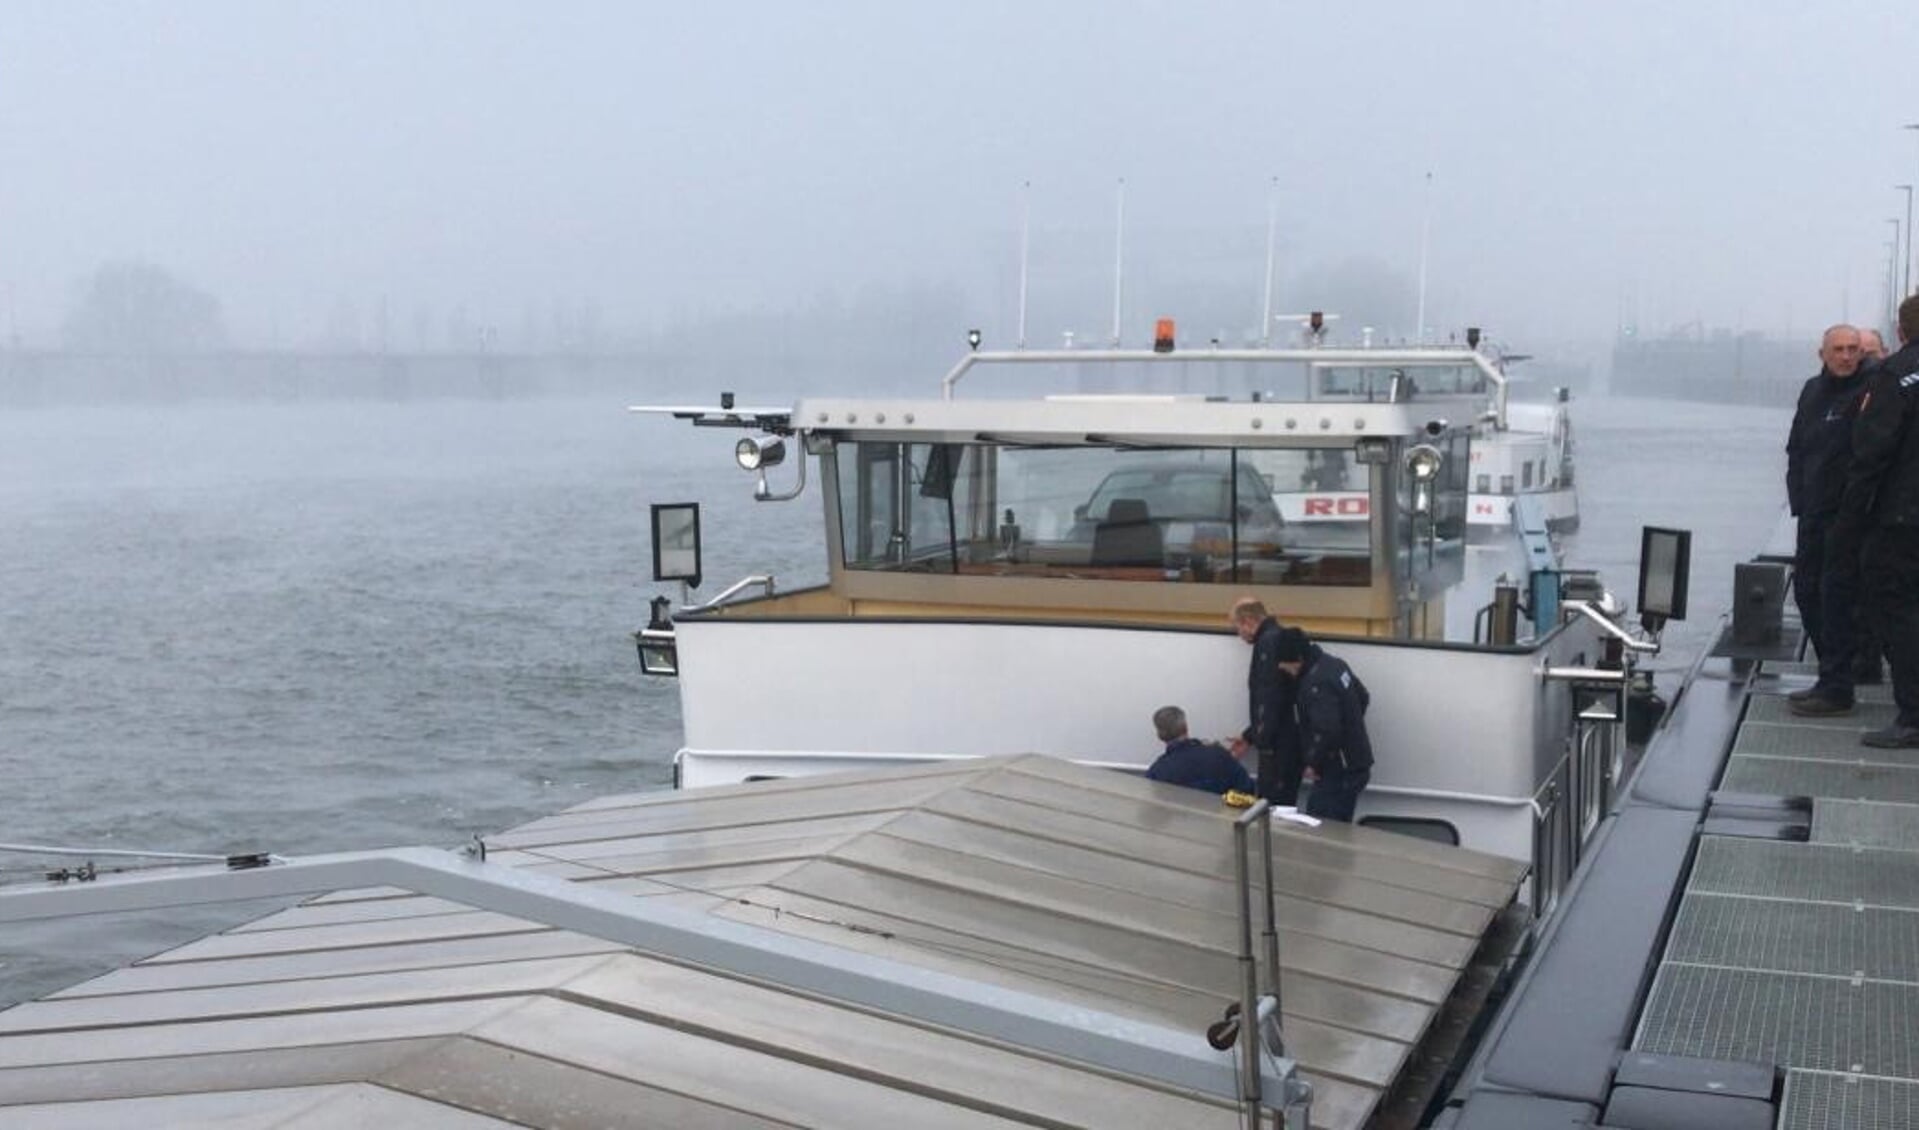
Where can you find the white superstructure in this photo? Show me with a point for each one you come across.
(1038, 574)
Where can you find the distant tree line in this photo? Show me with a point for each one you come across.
(138, 308)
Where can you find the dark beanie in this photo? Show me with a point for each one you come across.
(1291, 646)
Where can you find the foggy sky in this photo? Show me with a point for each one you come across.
(1729, 160)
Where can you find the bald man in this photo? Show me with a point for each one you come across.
(1818, 452)
(1872, 347)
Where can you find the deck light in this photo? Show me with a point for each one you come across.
(972, 338)
(1472, 337)
(659, 647)
(1423, 462)
(758, 454)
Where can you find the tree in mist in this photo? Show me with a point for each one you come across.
(132, 307)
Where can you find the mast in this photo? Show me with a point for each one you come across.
(1272, 230)
(1119, 258)
(1425, 240)
(1025, 222)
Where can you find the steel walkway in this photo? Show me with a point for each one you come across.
(1805, 953)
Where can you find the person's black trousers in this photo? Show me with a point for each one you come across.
(1808, 573)
(1279, 774)
(1336, 794)
(1889, 569)
(1839, 614)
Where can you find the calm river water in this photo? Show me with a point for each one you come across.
(320, 627)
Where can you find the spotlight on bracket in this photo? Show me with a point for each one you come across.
(1423, 462)
(758, 454)
(658, 643)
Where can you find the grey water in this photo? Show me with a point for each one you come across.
(307, 627)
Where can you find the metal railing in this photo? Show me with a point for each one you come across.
(1323, 357)
(1255, 1022)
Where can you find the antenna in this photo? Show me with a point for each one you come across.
(1119, 258)
(1272, 228)
(1425, 239)
(1025, 223)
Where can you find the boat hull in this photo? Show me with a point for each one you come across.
(1467, 736)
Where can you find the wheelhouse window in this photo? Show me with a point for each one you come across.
(1394, 382)
(1188, 515)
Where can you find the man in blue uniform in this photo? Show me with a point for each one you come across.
(1270, 728)
(1818, 450)
(1332, 725)
(1191, 762)
(1879, 513)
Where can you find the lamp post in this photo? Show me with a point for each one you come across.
(1905, 260)
(1892, 283)
(1893, 277)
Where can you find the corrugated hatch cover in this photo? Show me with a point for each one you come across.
(1086, 886)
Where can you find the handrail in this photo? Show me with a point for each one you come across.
(1326, 357)
(764, 580)
(1258, 1006)
(1632, 642)
(1249, 1096)
(1617, 675)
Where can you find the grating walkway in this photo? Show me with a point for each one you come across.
(1806, 955)
(1817, 1100)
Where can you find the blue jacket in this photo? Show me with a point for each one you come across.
(1200, 765)
(1332, 715)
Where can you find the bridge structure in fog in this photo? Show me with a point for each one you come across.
(43, 375)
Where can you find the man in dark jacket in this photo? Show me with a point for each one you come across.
(1868, 646)
(1271, 728)
(1879, 513)
(1332, 724)
(1818, 449)
(1191, 762)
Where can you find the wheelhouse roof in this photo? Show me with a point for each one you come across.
(1130, 420)
(1121, 418)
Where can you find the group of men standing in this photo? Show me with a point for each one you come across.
(1306, 726)
(1852, 480)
